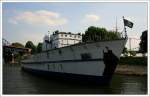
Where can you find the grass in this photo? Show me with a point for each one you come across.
(133, 61)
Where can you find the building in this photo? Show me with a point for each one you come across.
(61, 39)
(12, 54)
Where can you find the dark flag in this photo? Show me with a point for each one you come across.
(128, 23)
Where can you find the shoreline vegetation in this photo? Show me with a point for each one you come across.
(132, 66)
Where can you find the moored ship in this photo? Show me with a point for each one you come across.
(65, 56)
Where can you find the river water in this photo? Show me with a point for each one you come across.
(16, 81)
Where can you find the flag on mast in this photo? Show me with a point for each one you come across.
(128, 23)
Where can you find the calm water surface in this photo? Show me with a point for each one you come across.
(16, 81)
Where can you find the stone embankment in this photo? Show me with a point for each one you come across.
(131, 70)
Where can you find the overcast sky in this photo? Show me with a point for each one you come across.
(31, 21)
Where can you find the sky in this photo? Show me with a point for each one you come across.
(32, 21)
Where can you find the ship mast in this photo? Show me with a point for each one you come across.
(125, 29)
(116, 25)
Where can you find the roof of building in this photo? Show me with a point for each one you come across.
(55, 33)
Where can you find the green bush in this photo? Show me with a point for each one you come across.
(133, 61)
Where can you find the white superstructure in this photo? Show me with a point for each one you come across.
(60, 39)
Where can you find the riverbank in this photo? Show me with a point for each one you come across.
(132, 66)
(131, 70)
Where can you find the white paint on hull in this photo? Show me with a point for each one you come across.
(95, 68)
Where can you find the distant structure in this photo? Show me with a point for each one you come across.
(134, 41)
(60, 39)
(10, 51)
(133, 46)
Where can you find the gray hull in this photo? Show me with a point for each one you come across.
(91, 61)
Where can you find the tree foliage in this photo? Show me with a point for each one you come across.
(30, 45)
(143, 42)
(17, 44)
(39, 47)
(97, 34)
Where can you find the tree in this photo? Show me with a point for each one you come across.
(39, 47)
(30, 45)
(96, 34)
(143, 42)
(17, 44)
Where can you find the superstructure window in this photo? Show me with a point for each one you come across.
(66, 35)
(61, 35)
(86, 56)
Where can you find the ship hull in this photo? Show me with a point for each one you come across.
(86, 79)
(90, 62)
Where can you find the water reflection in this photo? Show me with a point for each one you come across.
(16, 81)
